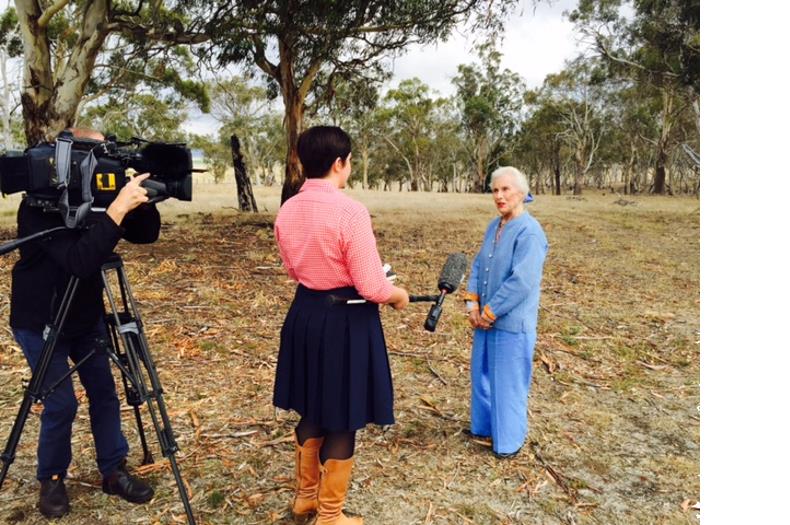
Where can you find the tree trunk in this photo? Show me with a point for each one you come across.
(243, 185)
(659, 182)
(6, 101)
(294, 111)
(365, 166)
(481, 174)
(629, 171)
(50, 101)
(635, 181)
(556, 162)
(579, 174)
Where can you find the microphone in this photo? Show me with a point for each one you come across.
(452, 272)
(449, 281)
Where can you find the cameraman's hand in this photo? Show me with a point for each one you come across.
(131, 196)
(399, 299)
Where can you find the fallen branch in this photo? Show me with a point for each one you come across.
(558, 478)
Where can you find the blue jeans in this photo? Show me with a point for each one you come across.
(60, 406)
(501, 377)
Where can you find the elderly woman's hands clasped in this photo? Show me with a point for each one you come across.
(478, 321)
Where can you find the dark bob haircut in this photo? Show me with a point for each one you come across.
(319, 146)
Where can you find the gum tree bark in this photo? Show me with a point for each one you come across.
(243, 186)
(50, 98)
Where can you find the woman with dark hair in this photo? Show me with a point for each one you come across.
(332, 368)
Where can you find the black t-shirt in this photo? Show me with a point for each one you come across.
(39, 277)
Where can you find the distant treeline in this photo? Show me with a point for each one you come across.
(622, 116)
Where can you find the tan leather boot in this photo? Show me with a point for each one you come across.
(335, 476)
(307, 476)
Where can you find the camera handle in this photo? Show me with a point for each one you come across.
(129, 351)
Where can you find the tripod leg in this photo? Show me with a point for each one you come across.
(9, 454)
(148, 458)
(129, 330)
(118, 356)
(33, 390)
(139, 359)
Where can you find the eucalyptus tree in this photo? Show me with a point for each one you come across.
(659, 48)
(353, 106)
(216, 154)
(241, 107)
(578, 101)
(10, 48)
(634, 133)
(296, 43)
(490, 102)
(144, 115)
(411, 114)
(447, 157)
(539, 142)
(71, 49)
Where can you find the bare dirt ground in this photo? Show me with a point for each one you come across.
(614, 424)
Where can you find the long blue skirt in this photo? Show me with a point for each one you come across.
(333, 367)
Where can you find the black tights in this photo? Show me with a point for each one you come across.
(337, 445)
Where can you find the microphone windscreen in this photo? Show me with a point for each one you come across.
(453, 272)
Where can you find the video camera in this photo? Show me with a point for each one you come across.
(76, 176)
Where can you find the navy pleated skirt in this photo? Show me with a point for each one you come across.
(332, 367)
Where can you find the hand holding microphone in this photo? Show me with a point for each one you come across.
(449, 280)
(400, 297)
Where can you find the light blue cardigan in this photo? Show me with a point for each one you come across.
(506, 276)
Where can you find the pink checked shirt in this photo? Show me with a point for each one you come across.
(326, 241)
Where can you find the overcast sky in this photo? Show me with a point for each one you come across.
(537, 41)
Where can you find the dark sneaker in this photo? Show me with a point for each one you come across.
(507, 455)
(119, 482)
(469, 433)
(53, 502)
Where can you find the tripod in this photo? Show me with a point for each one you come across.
(129, 351)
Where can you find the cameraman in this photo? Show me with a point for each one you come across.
(38, 284)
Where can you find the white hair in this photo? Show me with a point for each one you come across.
(521, 180)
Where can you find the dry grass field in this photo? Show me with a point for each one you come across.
(614, 424)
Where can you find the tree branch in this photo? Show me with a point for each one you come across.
(174, 37)
(51, 11)
(606, 52)
(262, 62)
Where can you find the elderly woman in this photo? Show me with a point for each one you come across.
(502, 301)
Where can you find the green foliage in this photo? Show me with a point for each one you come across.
(410, 122)
(304, 49)
(490, 102)
(9, 33)
(144, 115)
(622, 111)
(244, 109)
(216, 153)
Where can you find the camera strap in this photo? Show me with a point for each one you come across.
(73, 215)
